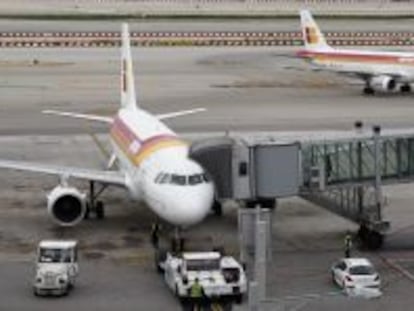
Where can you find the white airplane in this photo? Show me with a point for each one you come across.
(381, 71)
(153, 164)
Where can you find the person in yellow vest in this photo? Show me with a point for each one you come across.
(348, 244)
(196, 295)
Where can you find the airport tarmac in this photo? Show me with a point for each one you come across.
(243, 89)
(216, 24)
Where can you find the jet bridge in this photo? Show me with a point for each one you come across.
(342, 171)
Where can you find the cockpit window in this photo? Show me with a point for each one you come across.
(163, 179)
(181, 180)
(178, 179)
(158, 178)
(195, 179)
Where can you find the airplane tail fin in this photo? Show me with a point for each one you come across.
(312, 35)
(128, 98)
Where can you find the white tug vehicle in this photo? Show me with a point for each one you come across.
(56, 267)
(221, 277)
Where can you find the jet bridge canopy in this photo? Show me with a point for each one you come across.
(342, 171)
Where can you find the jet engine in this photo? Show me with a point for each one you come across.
(383, 83)
(67, 205)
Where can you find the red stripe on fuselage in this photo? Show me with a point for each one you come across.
(355, 57)
(126, 136)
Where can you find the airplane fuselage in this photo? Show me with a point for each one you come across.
(158, 170)
(398, 64)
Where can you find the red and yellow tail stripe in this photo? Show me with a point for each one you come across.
(138, 150)
(311, 35)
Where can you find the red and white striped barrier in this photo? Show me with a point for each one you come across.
(227, 38)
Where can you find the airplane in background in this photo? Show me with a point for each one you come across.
(381, 71)
(152, 163)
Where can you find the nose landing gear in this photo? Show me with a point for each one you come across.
(217, 208)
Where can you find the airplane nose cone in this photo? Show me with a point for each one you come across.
(192, 206)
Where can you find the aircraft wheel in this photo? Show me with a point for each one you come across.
(405, 88)
(87, 212)
(217, 208)
(100, 211)
(368, 90)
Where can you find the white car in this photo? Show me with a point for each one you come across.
(351, 273)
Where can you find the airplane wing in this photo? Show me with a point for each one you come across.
(90, 117)
(179, 113)
(105, 177)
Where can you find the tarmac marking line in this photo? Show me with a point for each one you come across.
(397, 267)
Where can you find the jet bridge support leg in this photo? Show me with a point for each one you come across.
(370, 237)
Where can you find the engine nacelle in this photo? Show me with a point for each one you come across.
(383, 83)
(67, 205)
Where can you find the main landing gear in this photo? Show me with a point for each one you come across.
(405, 88)
(368, 90)
(94, 207)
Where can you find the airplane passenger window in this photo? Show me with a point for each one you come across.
(195, 179)
(178, 179)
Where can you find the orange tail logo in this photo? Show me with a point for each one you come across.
(311, 35)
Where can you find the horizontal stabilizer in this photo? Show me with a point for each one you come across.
(175, 114)
(89, 117)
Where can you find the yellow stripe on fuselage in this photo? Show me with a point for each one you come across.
(146, 152)
(148, 147)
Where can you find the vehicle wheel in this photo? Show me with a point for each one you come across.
(66, 291)
(35, 292)
(100, 211)
(177, 294)
(217, 208)
(238, 299)
(333, 279)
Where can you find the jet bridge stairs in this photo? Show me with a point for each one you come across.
(347, 178)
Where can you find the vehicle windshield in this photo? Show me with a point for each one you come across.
(362, 270)
(54, 255)
(231, 274)
(203, 264)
